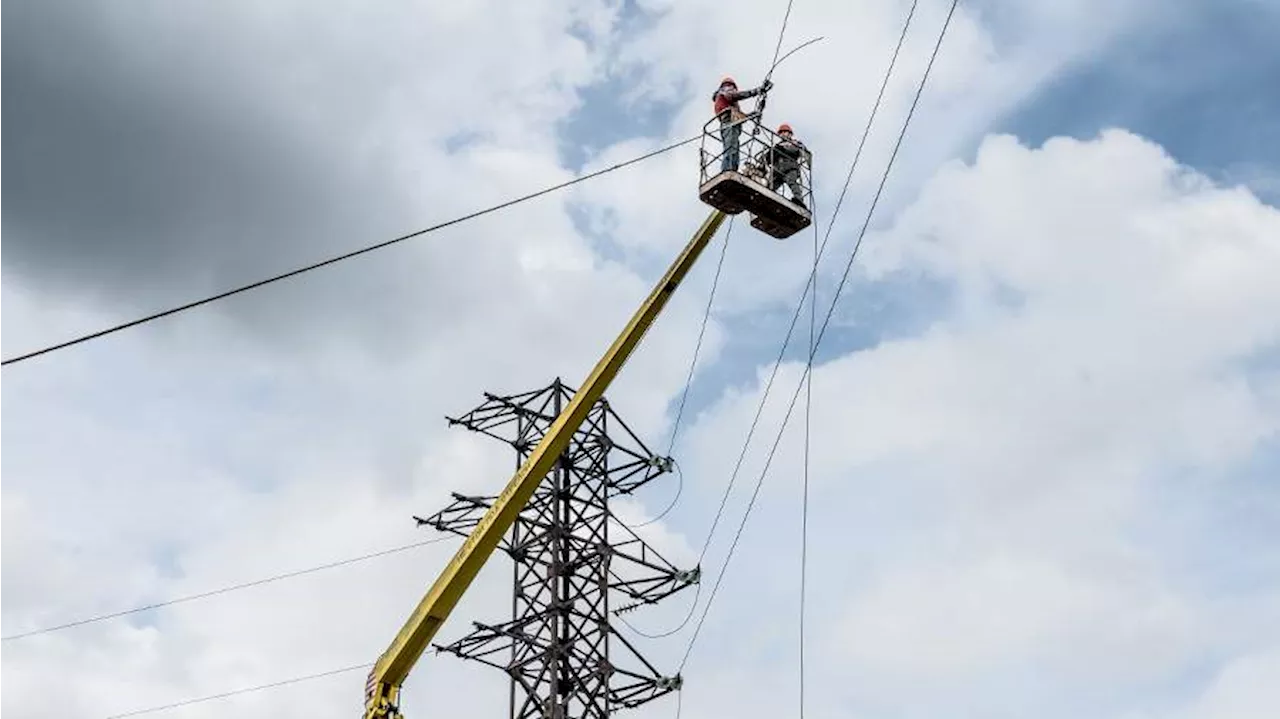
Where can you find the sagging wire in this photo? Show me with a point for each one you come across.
(795, 316)
(804, 485)
(227, 589)
(693, 605)
(822, 332)
(237, 692)
(341, 258)
(826, 323)
(688, 383)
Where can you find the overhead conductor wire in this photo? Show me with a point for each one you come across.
(245, 690)
(340, 258)
(817, 342)
(680, 486)
(675, 429)
(773, 65)
(781, 33)
(224, 590)
(821, 333)
(795, 316)
(688, 382)
(808, 411)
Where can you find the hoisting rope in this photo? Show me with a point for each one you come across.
(826, 322)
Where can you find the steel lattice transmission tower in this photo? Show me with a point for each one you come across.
(573, 566)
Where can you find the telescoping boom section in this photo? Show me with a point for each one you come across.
(382, 689)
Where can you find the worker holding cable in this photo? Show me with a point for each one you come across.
(731, 117)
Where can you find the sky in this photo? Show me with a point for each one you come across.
(1045, 426)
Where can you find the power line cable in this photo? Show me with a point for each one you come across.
(697, 592)
(818, 341)
(340, 258)
(225, 590)
(786, 341)
(793, 51)
(804, 486)
(675, 428)
(702, 331)
(781, 33)
(666, 510)
(235, 692)
(814, 346)
(688, 383)
(693, 605)
(773, 65)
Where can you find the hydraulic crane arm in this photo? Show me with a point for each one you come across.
(382, 690)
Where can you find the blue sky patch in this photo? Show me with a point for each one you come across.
(607, 117)
(1201, 84)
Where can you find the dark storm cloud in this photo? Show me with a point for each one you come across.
(149, 161)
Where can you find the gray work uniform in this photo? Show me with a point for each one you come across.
(785, 158)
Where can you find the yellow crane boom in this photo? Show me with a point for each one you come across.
(382, 690)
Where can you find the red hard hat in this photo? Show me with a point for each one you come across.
(784, 127)
(726, 80)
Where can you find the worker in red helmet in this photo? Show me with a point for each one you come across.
(786, 157)
(726, 100)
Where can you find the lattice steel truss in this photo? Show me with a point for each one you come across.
(572, 564)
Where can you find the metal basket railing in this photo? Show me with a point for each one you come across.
(755, 154)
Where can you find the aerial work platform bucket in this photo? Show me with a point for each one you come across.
(733, 192)
(751, 188)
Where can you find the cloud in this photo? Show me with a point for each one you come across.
(995, 490)
(303, 424)
(1245, 688)
(995, 56)
(1004, 493)
(152, 173)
